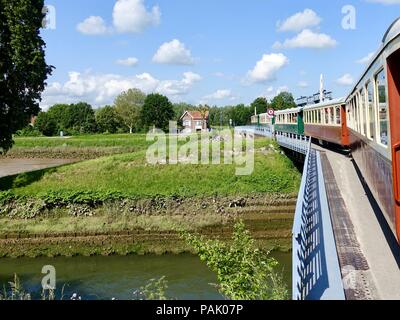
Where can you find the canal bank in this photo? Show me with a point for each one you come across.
(144, 226)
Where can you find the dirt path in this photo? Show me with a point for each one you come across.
(9, 167)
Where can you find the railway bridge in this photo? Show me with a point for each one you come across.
(343, 248)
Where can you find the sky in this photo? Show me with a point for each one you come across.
(211, 52)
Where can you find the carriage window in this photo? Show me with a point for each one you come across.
(326, 116)
(371, 110)
(363, 111)
(332, 115)
(319, 116)
(382, 108)
(338, 116)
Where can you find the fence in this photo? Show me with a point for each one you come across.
(316, 270)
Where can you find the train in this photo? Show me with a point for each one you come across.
(366, 122)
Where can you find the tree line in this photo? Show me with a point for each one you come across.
(133, 112)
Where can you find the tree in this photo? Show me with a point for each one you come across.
(81, 118)
(180, 108)
(128, 106)
(107, 119)
(46, 124)
(283, 101)
(260, 104)
(244, 272)
(204, 111)
(240, 114)
(157, 111)
(23, 69)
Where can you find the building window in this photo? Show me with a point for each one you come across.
(382, 108)
(187, 123)
(371, 110)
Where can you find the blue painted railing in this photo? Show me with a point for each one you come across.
(293, 142)
(264, 131)
(316, 270)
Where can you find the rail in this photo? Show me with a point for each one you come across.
(264, 131)
(316, 270)
(293, 142)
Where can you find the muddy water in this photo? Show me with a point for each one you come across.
(9, 167)
(96, 278)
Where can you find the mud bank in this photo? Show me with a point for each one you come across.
(145, 226)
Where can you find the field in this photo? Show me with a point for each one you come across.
(121, 196)
(79, 147)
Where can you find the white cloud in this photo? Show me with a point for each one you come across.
(366, 59)
(345, 80)
(173, 52)
(219, 95)
(133, 16)
(129, 16)
(303, 84)
(128, 62)
(267, 67)
(282, 89)
(178, 87)
(308, 39)
(271, 92)
(100, 89)
(300, 21)
(93, 26)
(387, 2)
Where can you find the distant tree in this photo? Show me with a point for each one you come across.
(180, 108)
(283, 101)
(128, 106)
(260, 104)
(46, 124)
(204, 110)
(240, 114)
(23, 69)
(60, 114)
(69, 118)
(219, 116)
(157, 111)
(82, 118)
(107, 120)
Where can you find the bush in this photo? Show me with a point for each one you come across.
(29, 131)
(244, 272)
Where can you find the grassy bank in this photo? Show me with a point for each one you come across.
(129, 175)
(77, 147)
(120, 204)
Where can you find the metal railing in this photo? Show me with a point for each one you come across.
(293, 141)
(264, 131)
(316, 270)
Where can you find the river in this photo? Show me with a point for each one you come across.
(104, 278)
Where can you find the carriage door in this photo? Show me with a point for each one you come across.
(393, 63)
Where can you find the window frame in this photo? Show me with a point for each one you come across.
(377, 108)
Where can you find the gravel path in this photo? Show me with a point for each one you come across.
(9, 167)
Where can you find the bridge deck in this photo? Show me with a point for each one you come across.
(367, 251)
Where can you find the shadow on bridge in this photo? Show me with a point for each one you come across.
(316, 273)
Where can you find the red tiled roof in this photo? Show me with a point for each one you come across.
(196, 115)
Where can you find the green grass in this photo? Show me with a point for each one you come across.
(130, 175)
(85, 141)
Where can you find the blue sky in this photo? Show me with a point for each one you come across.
(215, 52)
